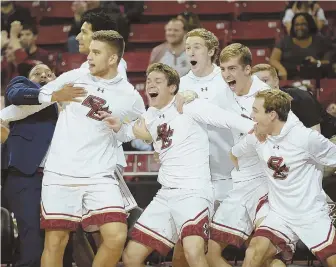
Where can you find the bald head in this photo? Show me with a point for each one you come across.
(41, 74)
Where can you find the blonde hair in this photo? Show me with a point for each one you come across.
(276, 100)
(171, 75)
(211, 41)
(113, 39)
(263, 67)
(236, 50)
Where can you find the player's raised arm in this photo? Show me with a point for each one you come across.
(207, 113)
(61, 89)
(15, 113)
(321, 149)
(248, 143)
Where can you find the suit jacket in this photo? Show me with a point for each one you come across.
(30, 138)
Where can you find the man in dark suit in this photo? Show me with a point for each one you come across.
(26, 150)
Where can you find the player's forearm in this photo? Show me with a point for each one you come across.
(15, 113)
(125, 133)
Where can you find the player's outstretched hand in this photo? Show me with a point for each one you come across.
(111, 121)
(140, 130)
(261, 137)
(184, 98)
(156, 157)
(69, 93)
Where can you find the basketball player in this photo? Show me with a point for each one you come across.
(78, 185)
(244, 207)
(291, 157)
(183, 206)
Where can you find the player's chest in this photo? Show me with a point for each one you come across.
(168, 131)
(280, 159)
(101, 98)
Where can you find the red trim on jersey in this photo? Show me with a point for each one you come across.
(286, 250)
(229, 238)
(329, 250)
(102, 218)
(200, 228)
(261, 202)
(150, 240)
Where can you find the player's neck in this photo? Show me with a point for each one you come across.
(277, 127)
(169, 100)
(207, 70)
(246, 88)
(108, 75)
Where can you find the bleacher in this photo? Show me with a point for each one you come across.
(256, 24)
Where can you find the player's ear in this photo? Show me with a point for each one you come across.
(172, 89)
(211, 52)
(113, 59)
(247, 70)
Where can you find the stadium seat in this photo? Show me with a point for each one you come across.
(328, 6)
(130, 159)
(34, 7)
(219, 28)
(141, 163)
(327, 92)
(255, 30)
(257, 9)
(139, 84)
(158, 8)
(147, 33)
(52, 35)
(137, 61)
(213, 7)
(58, 9)
(7, 237)
(260, 55)
(69, 61)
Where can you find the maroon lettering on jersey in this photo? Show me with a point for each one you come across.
(164, 133)
(280, 171)
(95, 104)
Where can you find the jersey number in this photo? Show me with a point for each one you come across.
(164, 133)
(280, 171)
(95, 104)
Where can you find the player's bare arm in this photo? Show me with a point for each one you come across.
(68, 93)
(184, 98)
(4, 132)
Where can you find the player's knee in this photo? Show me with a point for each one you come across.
(56, 240)
(130, 258)
(193, 247)
(115, 239)
(331, 261)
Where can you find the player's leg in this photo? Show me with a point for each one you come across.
(230, 225)
(135, 254)
(154, 230)
(319, 235)
(271, 237)
(58, 217)
(179, 259)
(191, 213)
(103, 207)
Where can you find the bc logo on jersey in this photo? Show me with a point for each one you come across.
(95, 104)
(280, 171)
(164, 133)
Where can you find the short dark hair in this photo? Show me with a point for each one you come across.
(30, 27)
(171, 74)
(100, 20)
(312, 28)
(113, 39)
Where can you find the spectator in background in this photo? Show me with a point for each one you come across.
(302, 51)
(172, 52)
(191, 19)
(328, 124)
(123, 12)
(303, 104)
(310, 7)
(10, 12)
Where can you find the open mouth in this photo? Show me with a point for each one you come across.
(193, 62)
(153, 95)
(232, 84)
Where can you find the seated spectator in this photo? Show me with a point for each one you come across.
(79, 8)
(328, 124)
(10, 12)
(172, 52)
(192, 20)
(310, 7)
(304, 54)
